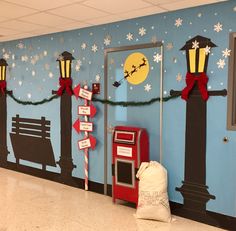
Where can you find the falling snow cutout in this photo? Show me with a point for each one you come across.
(226, 53)
(195, 44)
(83, 46)
(179, 77)
(218, 27)
(97, 78)
(50, 75)
(6, 56)
(94, 48)
(207, 50)
(221, 63)
(20, 45)
(157, 58)
(154, 39)
(24, 58)
(129, 36)
(178, 22)
(147, 87)
(234, 9)
(169, 46)
(29, 96)
(142, 31)
(107, 40)
(20, 83)
(33, 73)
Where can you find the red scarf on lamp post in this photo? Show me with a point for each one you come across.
(201, 81)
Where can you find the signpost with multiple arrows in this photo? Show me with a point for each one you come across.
(87, 110)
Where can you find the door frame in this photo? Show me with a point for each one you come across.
(119, 49)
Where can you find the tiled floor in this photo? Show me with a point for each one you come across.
(29, 204)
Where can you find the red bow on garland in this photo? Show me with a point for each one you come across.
(65, 84)
(3, 86)
(201, 80)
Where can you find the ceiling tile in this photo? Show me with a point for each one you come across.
(5, 32)
(43, 4)
(20, 26)
(9, 10)
(142, 12)
(78, 12)
(46, 19)
(2, 19)
(104, 20)
(116, 6)
(157, 2)
(185, 4)
(74, 25)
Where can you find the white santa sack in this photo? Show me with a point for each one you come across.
(153, 202)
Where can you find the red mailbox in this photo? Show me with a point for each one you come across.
(130, 148)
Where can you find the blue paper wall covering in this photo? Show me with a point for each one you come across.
(33, 73)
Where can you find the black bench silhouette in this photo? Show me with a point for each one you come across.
(31, 141)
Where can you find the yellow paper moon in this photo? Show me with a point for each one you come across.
(141, 73)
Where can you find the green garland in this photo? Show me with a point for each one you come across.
(31, 102)
(134, 103)
(103, 101)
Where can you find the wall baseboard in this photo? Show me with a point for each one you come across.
(210, 218)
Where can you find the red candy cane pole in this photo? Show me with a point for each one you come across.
(86, 152)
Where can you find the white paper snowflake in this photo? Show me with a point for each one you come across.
(33, 61)
(94, 48)
(207, 50)
(77, 67)
(221, 63)
(226, 53)
(147, 87)
(24, 58)
(3, 50)
(50, 75)
(218, 27)
(142, 31)
(20, 45)
(178, 22)
(33, 73)
(45, 53)
(107, 40)
(29, 96)
(199, 15)
(129, 36)
(179, 77)
(13, 65)
(6, 56)
(157, 58)
(195, 44)
(20, 83)
(154, 39)
(83, 46)
(97, 78)
(169, 46)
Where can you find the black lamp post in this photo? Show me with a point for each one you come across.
(3, 113)
(65, 91)
(194, 189)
